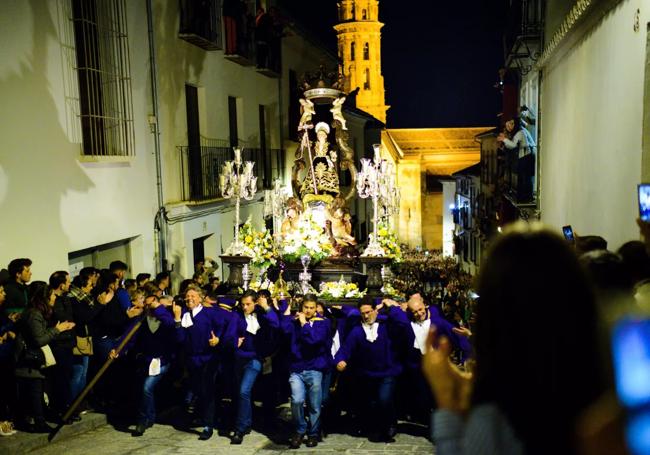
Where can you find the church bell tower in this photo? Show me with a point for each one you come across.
(359, 48)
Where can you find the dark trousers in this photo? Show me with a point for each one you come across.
(203, 379)
(525, 173)
(8, 390)
(416, 397)
(380, 412)
(60, 377)
(30, 392)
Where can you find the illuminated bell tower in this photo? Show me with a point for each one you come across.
(359, 41)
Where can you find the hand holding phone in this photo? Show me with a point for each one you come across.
(644, 201)
(568, 233)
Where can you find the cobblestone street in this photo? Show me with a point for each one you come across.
(164, 439)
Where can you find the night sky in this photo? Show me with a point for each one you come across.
(439, 58)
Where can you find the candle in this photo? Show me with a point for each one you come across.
(377, 148)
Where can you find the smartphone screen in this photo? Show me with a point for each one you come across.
(568, 233)
(644, 201)
(631, 357)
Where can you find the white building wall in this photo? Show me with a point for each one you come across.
(590, 147)
(448, 200)
(51, 201)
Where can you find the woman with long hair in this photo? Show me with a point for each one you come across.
(537, 361)
(36, 334)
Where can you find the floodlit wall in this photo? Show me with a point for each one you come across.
(591, 129)
(52, 201)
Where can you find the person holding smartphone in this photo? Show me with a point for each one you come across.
(534, 376)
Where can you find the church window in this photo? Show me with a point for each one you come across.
(366, 51)
(352, 49)
(366, 84)
(364, 14)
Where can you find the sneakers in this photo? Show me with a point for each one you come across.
(295, 441)
(7, 428)
(312, 441)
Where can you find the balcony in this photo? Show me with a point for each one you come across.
(200, 22)
(239, 39)
(517, 177)
(523, 37)
(200, 169)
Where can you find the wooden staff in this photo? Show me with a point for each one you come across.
(94, 380)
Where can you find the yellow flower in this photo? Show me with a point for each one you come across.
(248, 238)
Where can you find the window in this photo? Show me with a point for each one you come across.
(264, 151)
(199, 23)
(103, 70)
(294, 106)
(366, 84)
(352, 50)
(364, 14)
(232, 121)
(366, 51)
(195, 162)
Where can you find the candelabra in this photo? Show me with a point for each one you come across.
(390, 202)
(247, 276)
(305, 277)
(376, 180)
(237, 181)
(279, 201)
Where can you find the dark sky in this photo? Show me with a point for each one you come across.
(439, 58)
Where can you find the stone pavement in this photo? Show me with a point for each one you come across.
(165, 439)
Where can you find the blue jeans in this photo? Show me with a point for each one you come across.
(247, 371)
(303, 383)
(148, 404)
(79, 372)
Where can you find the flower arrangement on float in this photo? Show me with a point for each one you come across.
(308, 238)
(388, 290)
(259, 245)
(335, 290)
(388, 241)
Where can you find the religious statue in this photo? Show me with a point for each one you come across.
(340, 228)
(337, 115)
(294, 209)
(307, 111)
(322, 175)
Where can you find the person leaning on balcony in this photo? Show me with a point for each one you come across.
(518, 137)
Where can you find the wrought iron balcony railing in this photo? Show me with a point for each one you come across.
(200, 169)
(200, 23)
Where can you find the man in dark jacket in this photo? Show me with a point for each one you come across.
(309, 337)
(372, 348)
(20, 273)
(256, 327)
(61, 373)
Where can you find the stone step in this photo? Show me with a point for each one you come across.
(23, 442)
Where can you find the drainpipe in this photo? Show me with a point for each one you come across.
(160, 220)
(282, 157)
